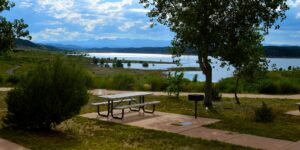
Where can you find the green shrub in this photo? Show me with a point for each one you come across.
(13, 79)
(269, 87)
(48, 95)
(279, 87)
(216, 95)
(1, 79)
(264, 113)
(189, 86)
(145, 65)
(123, 81)
(119, 64)
(288, 88)
(175, 83)
(157, 83)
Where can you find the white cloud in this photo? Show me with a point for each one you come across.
(296, 5)
(25, 4)
(71, 20)
(127, 25)
(139, 10)
(49, 22)
(58, 34)
(66, 10)
(87, 13)
(147, 26)
(64, 35)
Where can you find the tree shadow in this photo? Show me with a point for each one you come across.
(40, 139)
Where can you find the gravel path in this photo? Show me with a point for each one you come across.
(226, 95)
(12, 70)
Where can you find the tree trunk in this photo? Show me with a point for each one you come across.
(236, 90)
(208, 88)
(207, 71)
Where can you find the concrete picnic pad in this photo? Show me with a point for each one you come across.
(167, 122)
(7, 145)
(293, 113)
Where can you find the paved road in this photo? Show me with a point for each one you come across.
(12, 70)
(227, 95)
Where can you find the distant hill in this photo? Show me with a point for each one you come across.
(28, 45)
(282, 51)
(270, 51)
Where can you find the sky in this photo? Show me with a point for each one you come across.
(79, 21)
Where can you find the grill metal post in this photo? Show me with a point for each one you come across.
(196, 98)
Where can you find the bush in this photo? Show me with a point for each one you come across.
(48, 95)
(1, 79)
(279, 87)
(119, 64)
(157, 83)
(145, 65)
(264, 114)
(13, 79)
(269, 88)
(289, 88)
(123, 81)
(216, 95)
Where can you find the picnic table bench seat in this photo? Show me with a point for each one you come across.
(140, 105)
(117, 101)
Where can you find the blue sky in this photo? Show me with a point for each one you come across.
(93, 20)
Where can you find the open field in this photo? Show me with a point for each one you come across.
(81, 133)
(234, 117)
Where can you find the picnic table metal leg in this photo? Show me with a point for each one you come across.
(139, 109)
(108, 110)
(150, 112)
(112, 112)
(144, 110)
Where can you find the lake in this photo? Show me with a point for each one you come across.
(188, 61)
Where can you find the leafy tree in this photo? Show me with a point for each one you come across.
(9, 31)
(207, 27)
(48, 95)
(129, 64)
(119, 64)
(145, 64)
(175, 83)
(102, 62)
(106, 65)
(252, 64)
(95, 60)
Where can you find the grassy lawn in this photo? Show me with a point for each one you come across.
(81, 133)
(241, 118)
(237, 118)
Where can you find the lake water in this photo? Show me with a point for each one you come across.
(188, 61)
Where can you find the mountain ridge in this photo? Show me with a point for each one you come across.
(270, 51)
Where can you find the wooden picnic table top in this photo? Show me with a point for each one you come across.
(125, 95)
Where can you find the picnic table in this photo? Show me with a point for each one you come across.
(115, 101)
